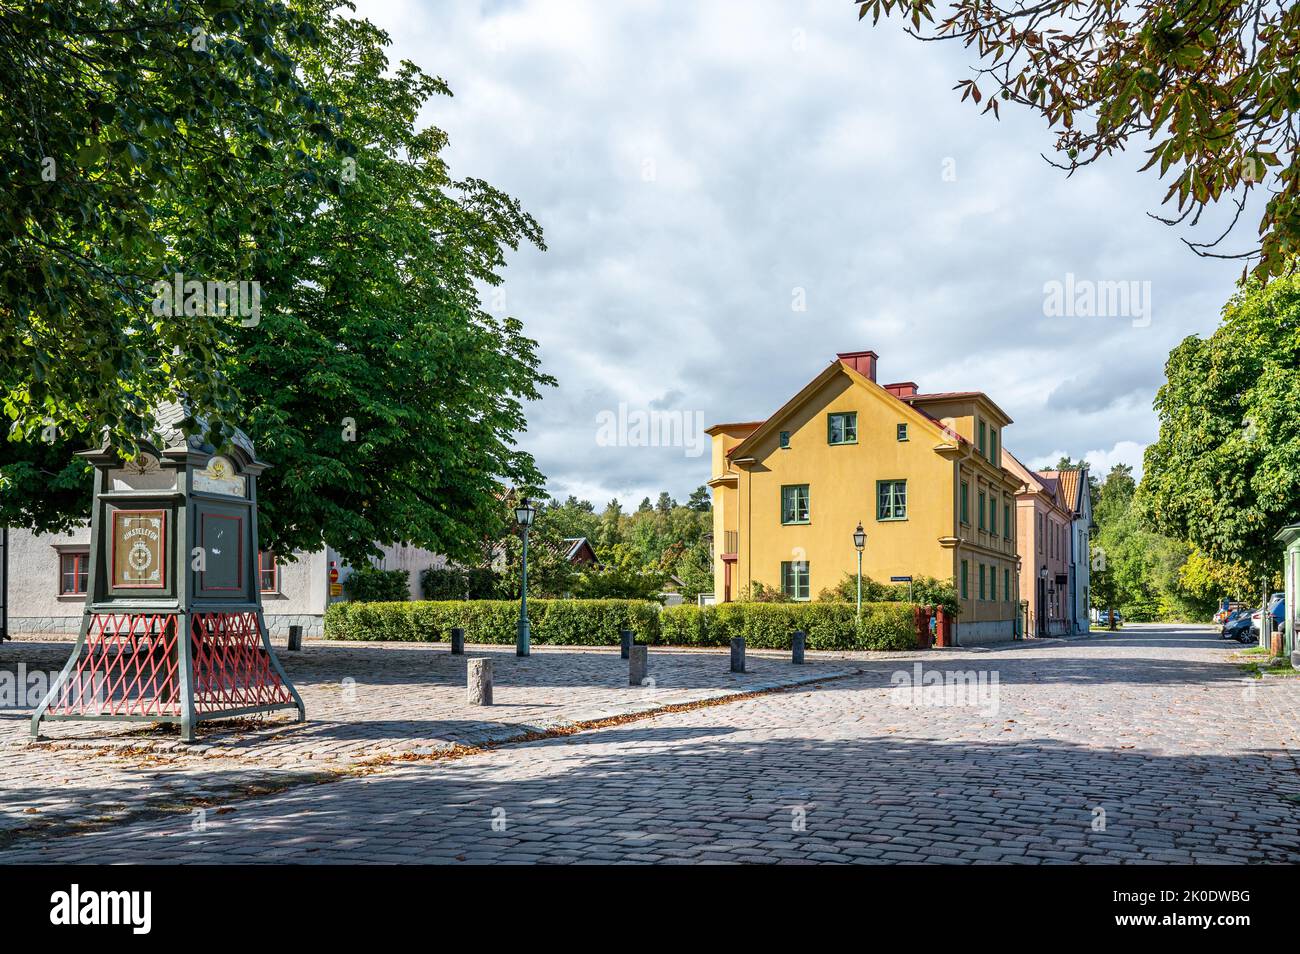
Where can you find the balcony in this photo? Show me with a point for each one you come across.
(730, 544)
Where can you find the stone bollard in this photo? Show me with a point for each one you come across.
(637, 665)
(457, 641)
(295, 638)
(738, 654)
(797, 643)
(625, 642)
(479, 682)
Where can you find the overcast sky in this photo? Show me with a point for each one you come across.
(703, 169)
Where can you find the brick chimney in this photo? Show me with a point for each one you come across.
(863, 362)
(903, 389)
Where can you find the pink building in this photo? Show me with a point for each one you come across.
(1044, 521)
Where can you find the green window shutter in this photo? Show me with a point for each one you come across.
(983, 587)
(1006, 520)
(982, 509)
(983, 445)
(993, 583)
(993, 517)
(1006, 584)
(965, 587)
(965, 502)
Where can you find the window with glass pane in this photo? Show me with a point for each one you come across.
(1006, 520)
(993, 583)
(902, 432)
(794, 579)
(965, 572)
(1006, 584)
(794, 504)
(965, 502)
(842, 428)
(993, 517)
(73, 573)
(891, 500)
(267, 571)
(983, 439)
(983, 588)
(785, 438)
(983, 505)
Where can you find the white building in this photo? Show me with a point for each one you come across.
(45, 579)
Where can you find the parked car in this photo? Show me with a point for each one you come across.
(1235, 621)
(1103, 617)
(1276, 607)
(1228, 609)
(1238, 628)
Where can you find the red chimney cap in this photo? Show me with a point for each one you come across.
(863, 362)
(902, 389)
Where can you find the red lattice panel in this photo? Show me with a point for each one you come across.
(128, 666)
(232, 669)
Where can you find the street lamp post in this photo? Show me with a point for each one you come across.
(1040, 626)
(524, 514)
(860, 543)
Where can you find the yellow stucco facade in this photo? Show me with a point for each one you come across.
(788, 493)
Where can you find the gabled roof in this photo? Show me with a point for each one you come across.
(1070, 481)
(835, 367)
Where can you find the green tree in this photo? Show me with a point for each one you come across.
(1205, 82)
(700, 499)
(128, 126)
(1224, 472)
(383, 393)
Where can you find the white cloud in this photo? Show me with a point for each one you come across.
(778, 167)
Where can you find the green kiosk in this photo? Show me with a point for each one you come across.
(1290, 538)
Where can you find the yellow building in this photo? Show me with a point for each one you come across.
(921, 472)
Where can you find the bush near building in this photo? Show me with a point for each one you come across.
(884, 626)
(554, 622)
(371, 583)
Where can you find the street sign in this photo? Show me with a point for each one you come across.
(336, 589)
(900, 579)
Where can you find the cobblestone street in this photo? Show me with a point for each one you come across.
(1145, 746)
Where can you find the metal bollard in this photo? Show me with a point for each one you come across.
(295, 638)
(479, 682)
(625, 642)
(457, 641)
(738, 654)
(797, 643)
(637, 665)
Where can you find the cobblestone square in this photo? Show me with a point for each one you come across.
(1144, 746)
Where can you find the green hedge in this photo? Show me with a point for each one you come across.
(770, 625)
(558, 622)
(597, 623)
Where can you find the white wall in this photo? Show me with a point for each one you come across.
(35, 605)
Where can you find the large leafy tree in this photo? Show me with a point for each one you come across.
(1225, 470)
(113, 110)
(386, 397)
(1206, 86)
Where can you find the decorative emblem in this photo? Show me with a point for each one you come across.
(139, 538)
(219, 477)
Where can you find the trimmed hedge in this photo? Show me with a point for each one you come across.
(884, 626)
(372, 583)
(770, 625)
(557, 622)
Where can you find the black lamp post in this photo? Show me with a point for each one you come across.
(524, 514)
(860, 544)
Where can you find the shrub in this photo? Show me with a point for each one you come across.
(555, 622)
(770, 625)
(884, 626)
(371, 584)
(460, 583)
